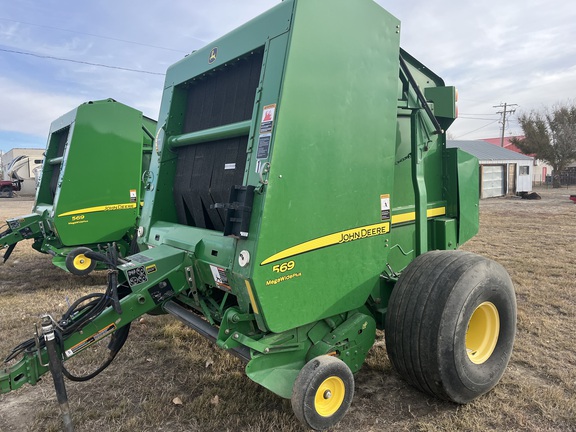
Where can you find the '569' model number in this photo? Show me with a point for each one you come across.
(284, 267)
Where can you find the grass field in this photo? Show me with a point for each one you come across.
(162, 360)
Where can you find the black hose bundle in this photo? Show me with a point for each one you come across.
(116, 343)
(82, 312)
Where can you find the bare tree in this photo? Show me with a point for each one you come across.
(551, 136)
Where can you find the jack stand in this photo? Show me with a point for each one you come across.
(55, 363)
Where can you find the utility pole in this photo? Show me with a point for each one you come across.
(504, 111)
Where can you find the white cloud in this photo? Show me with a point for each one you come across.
(8, 30)
(31, 111)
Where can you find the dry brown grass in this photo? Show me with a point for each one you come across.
(534, 240)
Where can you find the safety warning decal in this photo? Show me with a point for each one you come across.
(132, 195)
(263, 147)
(220, 277)
(267, 119)
(140, 258)
(385, 206)
(92, 339)
(161, 291)
(266, 126)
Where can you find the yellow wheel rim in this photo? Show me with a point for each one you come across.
(482, 333)
(81, 262)
(329, 396)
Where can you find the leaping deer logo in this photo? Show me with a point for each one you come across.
(213, 54)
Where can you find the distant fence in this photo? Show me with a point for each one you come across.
(567, 178)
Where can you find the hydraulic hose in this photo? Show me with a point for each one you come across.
(79, 315)
(115, 345)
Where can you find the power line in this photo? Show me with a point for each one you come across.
(491, 114)
(473, 118)
(80, 62)
(98, 36)
(482, 127)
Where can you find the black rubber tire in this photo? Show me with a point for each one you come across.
(428, 317)
(7, 191)
(309, 382)
(73, 268)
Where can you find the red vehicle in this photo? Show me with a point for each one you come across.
(573, 198)
(8, 187)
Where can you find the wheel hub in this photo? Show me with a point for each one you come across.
(81, 262)
(329, 396)
(482, 333)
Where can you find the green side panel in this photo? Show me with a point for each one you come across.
(332, 157)
(444, 99)
(430, 161)
(468, 194)
(276, 372)
(149, 130)
(402, 199)
(51, 168)
(463, 192)
(96, 197)
(445, 234)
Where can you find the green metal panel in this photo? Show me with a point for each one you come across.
(332, 158)
(98, 200)
(445, 234)
(444, 99)
(468, 193)
(463, 192)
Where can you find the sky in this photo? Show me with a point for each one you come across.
(494, 52)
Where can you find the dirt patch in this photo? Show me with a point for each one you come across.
(534, 239)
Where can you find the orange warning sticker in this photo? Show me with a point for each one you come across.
(267, 119)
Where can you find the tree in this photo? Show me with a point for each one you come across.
(551, 136)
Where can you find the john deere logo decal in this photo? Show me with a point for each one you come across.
(213, 55)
